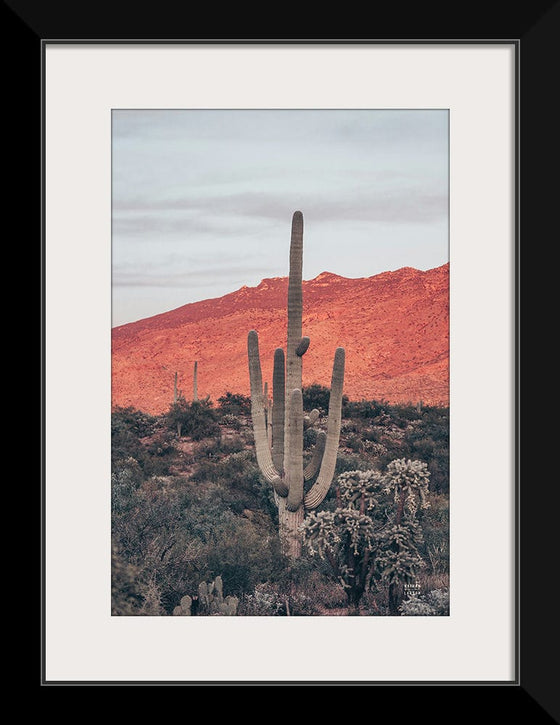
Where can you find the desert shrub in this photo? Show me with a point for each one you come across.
(234, 404)
(233, 444)
(428, 439)
(435, 529)
(309, 589)
(403, 431)
(354, 443)
(269, 600)
(126, 597)
(231, 421)
(264, 601)
(406, 412)
(371, 433)
(149, 535)
(196, 419)
(139, 423)
(373, 449)
(244, 552)
(351, 462)
(216, 448)
(365, 408)
(126, 478)
(433, 604)
(318, 396)
(125, 443)
(160, 444)
(142, 437)
(301, 589)
(152, 605)
(230, 469)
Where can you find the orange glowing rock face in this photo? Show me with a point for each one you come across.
(394, 327)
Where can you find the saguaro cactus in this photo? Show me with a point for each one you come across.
(282, 462)
(195, 381)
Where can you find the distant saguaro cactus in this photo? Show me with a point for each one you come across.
(195, 381)
(282, 463)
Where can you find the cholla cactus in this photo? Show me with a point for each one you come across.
(347, 537)
(282, 462)
(408, 481)
(400, 561)
(372, 535)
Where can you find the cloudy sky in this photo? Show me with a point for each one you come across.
(203, 200)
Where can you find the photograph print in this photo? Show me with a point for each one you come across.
(280, 362)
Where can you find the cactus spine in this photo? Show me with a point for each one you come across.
(282, 462)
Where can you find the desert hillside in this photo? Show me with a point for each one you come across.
(394, 327)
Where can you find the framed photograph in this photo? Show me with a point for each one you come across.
(143, 141)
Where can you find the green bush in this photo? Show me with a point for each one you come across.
(126, 597)
(367, 409)
(234, 404)
(125, 442)
(318, 396)
(231, 421)
(435, 528)
(196, 420)
(244, 552)
(140, 424)
(351, 462)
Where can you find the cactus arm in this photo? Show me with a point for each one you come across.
(267, 416)
(319, 490)
(295, 304)
(264, 458)
(269, 426)
(301, 349)
(278, 412)
(294, 451)
(311, 419)
(315, 462)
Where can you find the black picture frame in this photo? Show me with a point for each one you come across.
(535, 34)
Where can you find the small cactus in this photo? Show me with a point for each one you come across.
(184, 608)
(209, 602)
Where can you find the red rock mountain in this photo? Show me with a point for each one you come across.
(394, 327)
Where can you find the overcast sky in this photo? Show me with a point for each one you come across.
(203, 200)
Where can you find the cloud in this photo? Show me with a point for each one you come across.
(235, 214)
(196, 278)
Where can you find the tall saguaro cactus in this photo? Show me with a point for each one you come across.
(282, 462)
